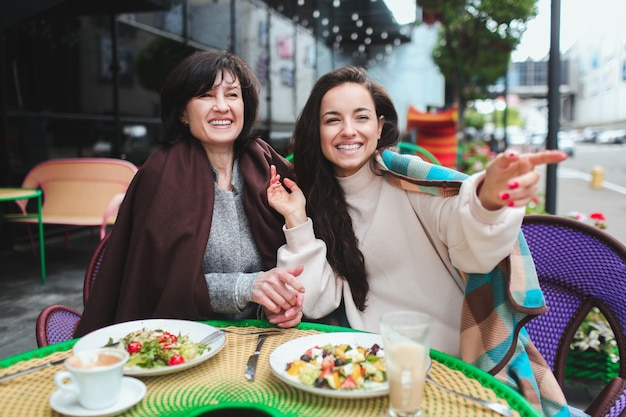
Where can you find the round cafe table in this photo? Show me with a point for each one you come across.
(13, 194)
(219, 382)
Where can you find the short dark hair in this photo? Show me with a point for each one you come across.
(195, 75)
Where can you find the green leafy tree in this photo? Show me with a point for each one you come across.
(475, 119)
(475, 42)
(513, 118)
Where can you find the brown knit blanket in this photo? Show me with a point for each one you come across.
(152, 267)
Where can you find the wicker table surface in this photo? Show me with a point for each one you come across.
(220, 381)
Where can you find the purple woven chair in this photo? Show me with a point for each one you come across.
(579, 267)
(56, 323)
(94, 267)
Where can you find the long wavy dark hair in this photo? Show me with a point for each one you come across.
(326, 202)
(194, 76)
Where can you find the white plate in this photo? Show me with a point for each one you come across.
(66, 403)
(292, 350)
(195, 330)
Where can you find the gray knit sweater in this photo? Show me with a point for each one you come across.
(231, 261)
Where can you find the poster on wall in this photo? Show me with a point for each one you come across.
(286, 76)
(285, 46)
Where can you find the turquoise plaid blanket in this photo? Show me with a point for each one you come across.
(496, 305)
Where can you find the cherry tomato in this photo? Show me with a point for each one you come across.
(133, 347)
(167, 338)
(176, 359)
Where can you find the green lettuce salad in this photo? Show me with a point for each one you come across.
(155, 348)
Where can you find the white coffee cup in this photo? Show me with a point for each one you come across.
(94, 376)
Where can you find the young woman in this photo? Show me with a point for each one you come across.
(195, 237)
(388, 232)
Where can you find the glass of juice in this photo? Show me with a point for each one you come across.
(406, 342)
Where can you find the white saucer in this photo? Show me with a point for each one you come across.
(66, 403)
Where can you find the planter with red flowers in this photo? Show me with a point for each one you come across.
(596, 218)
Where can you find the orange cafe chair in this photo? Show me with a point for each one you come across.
(77, 191)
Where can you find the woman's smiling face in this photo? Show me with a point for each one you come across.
(216, 117)
(349, 127)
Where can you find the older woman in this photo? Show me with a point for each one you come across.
(195, 237)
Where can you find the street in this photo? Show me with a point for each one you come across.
(575, 193)
(609, 156)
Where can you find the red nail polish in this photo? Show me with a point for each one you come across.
(505, 196)
(511, 204)
(511, 154)
(513, 185)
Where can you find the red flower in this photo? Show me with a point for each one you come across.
(597, 216)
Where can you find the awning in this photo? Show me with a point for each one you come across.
(15, 12)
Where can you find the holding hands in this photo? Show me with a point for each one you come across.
(281, 295)
(511, 179)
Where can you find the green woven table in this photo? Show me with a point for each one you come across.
(219, 382)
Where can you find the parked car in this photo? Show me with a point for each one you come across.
(611, 136)
(537, 141)
(516, 138)
(590, 134)
(566, 142)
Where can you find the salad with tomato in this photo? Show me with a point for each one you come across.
(150, 348)
(340, 367)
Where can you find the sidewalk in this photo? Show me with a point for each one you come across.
(22, 296)
(574, 193)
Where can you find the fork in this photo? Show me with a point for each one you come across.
(220, 332)
(254, 332)
(492, 405)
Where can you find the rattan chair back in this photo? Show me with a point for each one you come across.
(579, 266)
(93, 269)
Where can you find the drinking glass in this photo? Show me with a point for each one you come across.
(406, 341)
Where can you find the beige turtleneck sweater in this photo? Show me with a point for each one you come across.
(404, 269)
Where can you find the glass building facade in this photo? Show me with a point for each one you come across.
(82, 78)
